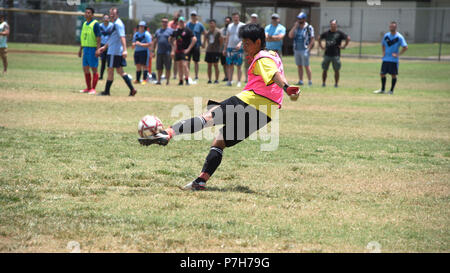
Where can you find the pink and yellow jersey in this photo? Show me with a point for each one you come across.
(261, 92)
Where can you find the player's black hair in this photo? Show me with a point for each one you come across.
(91, 9)
(253, 32)
(394, 22)
(235, 13)
(212, 20)
(333, 20)
(229, 17)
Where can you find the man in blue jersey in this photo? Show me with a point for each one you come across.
(275, 33)
(117, 53)
(199, 30)
(105, 31)
(90, 42)
(390, 44)
(142, 40)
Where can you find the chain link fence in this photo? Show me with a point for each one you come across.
(426, 30)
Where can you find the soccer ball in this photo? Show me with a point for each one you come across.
(149, 125)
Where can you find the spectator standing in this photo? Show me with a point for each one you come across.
(333, 45)
(303, 35)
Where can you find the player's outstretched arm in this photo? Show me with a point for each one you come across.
(292, 91)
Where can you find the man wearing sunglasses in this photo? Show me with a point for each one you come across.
(303, 35)
(274, 34)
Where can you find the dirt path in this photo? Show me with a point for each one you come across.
(41, 52)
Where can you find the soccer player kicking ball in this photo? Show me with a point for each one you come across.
(242, 114)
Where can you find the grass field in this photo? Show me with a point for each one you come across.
(414, 50)
(351, 167)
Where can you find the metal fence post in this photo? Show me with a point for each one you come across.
(361, 33)
(442, 35)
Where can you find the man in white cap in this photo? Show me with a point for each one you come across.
(254, 18)
(199, 30)
(275, 33)
(142, 41)
(303, 35)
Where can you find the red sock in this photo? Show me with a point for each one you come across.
(94, 80)
(87, 77)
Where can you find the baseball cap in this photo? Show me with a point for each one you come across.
(275, 15)
(181, 18)
(254, 15)
(301, 15)
(142, 24)
(194, 13)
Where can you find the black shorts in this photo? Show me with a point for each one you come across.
(240, 119)
(223, 59)
(104, 53)
(195, 54)
(163, 61)
(182, 57)
(212, 57)
(389, 68)
(116, 61)
(141, 57)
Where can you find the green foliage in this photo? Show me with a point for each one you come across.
(155, 22)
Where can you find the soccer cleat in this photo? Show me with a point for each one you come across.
(85, 90)
(180, 82)
(335, 85)
(132, 93)
(159, 138)
(158, 83)
(144, 82)
(103, 94)
(238, 84)
(194, 186)
(92, 92)
(324, 85)
(209, 82)
(300, 83)
(378, 91)
(136, 82)
(310, 83)
(229, 83)
(216, 82)
(391, 92)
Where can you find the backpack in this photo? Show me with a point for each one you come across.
(308, 31)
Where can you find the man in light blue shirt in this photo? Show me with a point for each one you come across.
(4, 33)
(142, 42)
(391, 43)
(117, 53)
(303, 35)
(274, 34)
(105, 31)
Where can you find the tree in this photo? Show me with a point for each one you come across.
(183, 3)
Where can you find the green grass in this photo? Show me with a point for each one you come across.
(43, 47)
(351, 167)
(414, 50)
